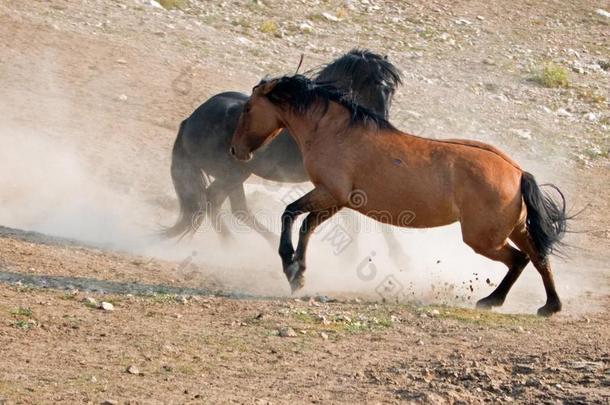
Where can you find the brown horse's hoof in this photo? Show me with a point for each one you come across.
(489, 302)
(549, 308)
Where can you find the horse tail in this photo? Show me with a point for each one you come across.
(546, 218)
(190, 183)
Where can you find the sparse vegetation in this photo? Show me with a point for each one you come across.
(591, 96)
(488, 318)
(22, 324)
(364, 321)
(268, 27)
(552, 76)
(22, 312)
(173, 4)
(22, 317)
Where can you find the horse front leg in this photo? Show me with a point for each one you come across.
(311, 222)
(318, 199)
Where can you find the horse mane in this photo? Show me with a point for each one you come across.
(300, 93)
(360, 72)
(356, 65)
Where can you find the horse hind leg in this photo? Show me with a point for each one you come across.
(217, 193)
(489, 238)
(553, 304)
(515, 260)
(239, 209)
(492, 242)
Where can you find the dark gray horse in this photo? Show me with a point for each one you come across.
(202, 146)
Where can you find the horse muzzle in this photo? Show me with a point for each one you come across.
(240, 154)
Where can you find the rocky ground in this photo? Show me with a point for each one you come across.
(92, 94)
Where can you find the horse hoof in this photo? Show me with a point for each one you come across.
(549, 309)
(489, 302)
(294, 273)
(297, 284)
(291, 271)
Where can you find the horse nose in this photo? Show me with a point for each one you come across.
(232, 151)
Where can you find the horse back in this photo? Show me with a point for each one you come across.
(484, 146)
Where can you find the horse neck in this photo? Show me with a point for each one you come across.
(305, 128)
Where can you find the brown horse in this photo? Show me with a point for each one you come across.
(357, 159)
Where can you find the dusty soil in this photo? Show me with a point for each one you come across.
(91, 95)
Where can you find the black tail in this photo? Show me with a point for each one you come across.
(190, 184)
(546, 218)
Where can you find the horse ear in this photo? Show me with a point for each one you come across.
(266, 87)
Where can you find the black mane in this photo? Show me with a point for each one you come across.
(356, 65)
(300, 93)
(363, 75)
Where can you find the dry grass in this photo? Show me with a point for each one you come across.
(552, 76)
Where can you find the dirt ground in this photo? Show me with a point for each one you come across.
(91, 95)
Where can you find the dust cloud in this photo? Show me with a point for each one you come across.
(48, 187)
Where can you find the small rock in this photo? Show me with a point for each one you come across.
(546, 109)
(602, 12)
(155, 4)
(420, 342)
(413, 114)
(133, 370)
(287, 332)
(109, 402)
(330, 17)
(323, 320)
(90, 302)
(522, 133)
(562, 112)
(244, 41)
(121, 61)
(591, 117)
(323, 299)
(106, 306)
(462, 21)
(324, 335)
(306, 28)
(434, 312)
(122, 97)
(522, 369)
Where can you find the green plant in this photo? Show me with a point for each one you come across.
(172, 4)
(268, 27)
(24, 312)
(552, 75)
(21, 324)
